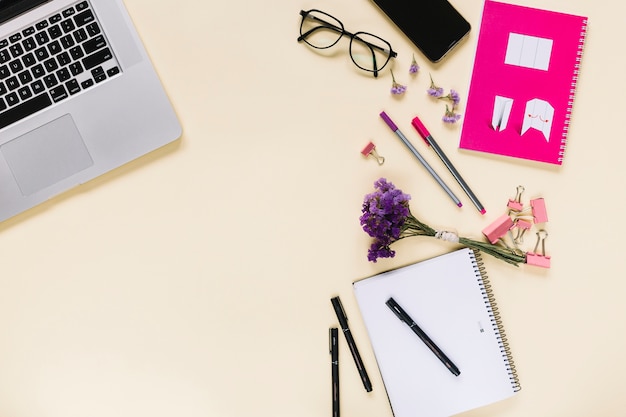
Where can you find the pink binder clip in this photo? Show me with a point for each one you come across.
(498, 228)
(516, 204)
(540, 214)
(522, 226)
(370, 150)
(541, 260)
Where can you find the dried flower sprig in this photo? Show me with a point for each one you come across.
(396, 88)
(387, 218)
(451, 115)
(434, 90)
(414, 68)
(453, 96)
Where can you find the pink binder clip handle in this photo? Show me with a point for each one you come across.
(498, 228)
(540, 214)
(536, 259)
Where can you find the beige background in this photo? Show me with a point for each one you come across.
(196, 280)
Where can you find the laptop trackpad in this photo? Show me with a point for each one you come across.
(46, 155)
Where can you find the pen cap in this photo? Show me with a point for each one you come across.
(341, 315)
(421, 129)
(388, 120)
(397, 310)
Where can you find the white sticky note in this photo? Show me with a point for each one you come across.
(501, 112)
(528, 51)
(538, 115)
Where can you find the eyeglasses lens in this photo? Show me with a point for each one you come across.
(369, 52)
(321, 30)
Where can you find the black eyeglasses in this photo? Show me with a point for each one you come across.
(321, 31)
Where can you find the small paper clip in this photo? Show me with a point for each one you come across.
(540, 214)
(516, 205)
(533, 258)
(498, 228)
(522, 226)
(370, 150)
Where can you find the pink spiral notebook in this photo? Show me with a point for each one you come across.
(523, 82)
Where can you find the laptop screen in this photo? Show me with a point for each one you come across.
(11, 8)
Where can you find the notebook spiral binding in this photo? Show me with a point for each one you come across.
(496, 322)
(572, 91)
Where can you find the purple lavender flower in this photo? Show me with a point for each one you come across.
(434, 90)
(414, 67)
(396, 88)
(451, 116)
(454, 97)
(384, 214)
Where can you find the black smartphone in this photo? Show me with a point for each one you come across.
(434, 26)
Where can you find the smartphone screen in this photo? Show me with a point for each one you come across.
(434, 26)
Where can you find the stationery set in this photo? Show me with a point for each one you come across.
(435, 329)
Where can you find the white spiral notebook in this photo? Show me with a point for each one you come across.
(450, 299)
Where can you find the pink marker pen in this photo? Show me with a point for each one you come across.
(425, 134)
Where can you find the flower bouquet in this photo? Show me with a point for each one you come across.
(387, 218)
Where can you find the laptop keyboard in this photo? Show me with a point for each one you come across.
(52, 60)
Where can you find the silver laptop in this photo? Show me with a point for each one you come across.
(78, 97)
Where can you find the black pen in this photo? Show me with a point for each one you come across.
(334, 364)
(402, 315)
(343, 322)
